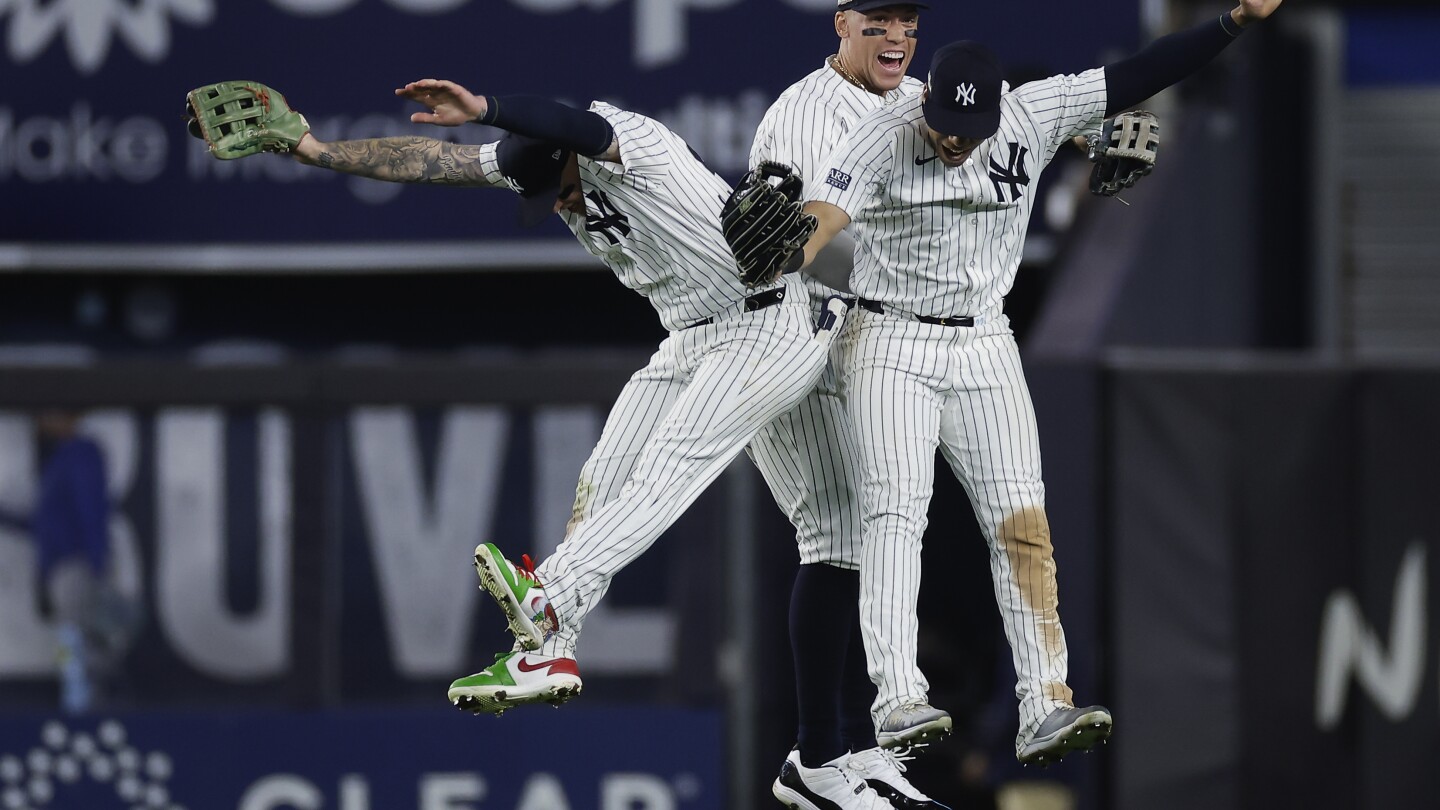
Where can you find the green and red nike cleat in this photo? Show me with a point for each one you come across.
(519, 594)
(514, 679)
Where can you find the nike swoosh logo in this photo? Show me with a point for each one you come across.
(525, 666)
(919, 161)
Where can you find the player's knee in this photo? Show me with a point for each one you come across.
(1026, 527)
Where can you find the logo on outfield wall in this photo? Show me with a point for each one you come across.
(62, 759)
(1388, 671)
(88, 26)
(661, 30)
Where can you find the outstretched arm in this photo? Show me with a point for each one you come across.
(451, 105)
(405, 159)
(1171, 58)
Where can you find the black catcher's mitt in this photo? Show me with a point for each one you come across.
(764, 225)
(1123, 152)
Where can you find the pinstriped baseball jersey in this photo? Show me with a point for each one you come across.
(654, 220)
(911, 250)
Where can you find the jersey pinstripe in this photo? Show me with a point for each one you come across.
(903, 203)
(654, 220)
(940, 241)
(807, 456)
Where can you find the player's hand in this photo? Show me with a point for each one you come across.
(1253, 11)
(450, 104)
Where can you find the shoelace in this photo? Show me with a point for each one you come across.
(527, 569)
(895, 760)
(892, 759)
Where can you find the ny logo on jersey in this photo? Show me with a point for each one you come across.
(607, 218)
(1012, 175)
(965, 94)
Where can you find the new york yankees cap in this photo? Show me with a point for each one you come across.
(964, 87)
(532, 168)
(871, 5)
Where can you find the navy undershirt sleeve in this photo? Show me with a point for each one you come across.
(1164, 62)
(581, 131)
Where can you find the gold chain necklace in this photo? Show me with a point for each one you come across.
(834, 62)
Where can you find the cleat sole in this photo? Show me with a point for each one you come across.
(921, 735)
(493, 582)
(499, 701)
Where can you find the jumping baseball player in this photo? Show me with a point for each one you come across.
(638, 199)
(937, 189)
(808, 455)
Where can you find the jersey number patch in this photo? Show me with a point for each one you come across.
(607, 220)
(1012, 176)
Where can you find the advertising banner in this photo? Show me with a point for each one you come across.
(1275, 548)
(96, 168)
(288, 553)
(589, 759)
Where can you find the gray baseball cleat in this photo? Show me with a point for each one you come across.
(913, 725)
(1064, 731)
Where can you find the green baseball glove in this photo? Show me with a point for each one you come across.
(241, 118)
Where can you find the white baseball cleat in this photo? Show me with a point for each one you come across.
(831, 786)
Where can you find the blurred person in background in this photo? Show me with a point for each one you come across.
(70, 523)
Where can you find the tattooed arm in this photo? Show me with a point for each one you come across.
(404, 159)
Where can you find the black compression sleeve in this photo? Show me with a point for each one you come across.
(580, 131)
(1164, 62)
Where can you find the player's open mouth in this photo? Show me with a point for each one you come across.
(891, 60)
(954, 156)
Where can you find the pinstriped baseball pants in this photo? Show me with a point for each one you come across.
(680, 420)
(912, 388)
(807, 457)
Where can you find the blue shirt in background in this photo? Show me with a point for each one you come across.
(71, 518)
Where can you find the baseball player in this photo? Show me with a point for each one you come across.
(808, 455)
(639, 200)
(937, 189)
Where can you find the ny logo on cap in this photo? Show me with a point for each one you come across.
(965, 94)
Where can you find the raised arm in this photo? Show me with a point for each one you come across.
(402, 159)
(451, 105)
(1171, 58)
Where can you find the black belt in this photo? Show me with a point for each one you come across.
(759, 300)
(957, 320)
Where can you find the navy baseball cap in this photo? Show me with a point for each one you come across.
(871, 5)
(533, 168)
(964, 87)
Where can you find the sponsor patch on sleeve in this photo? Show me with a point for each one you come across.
(838, 179)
